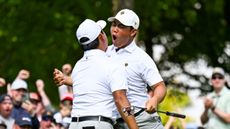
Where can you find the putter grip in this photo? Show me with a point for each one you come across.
(175, 115)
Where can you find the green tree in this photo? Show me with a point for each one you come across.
(40, 35)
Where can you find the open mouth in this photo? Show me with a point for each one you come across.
(8, 110)
(114, 37)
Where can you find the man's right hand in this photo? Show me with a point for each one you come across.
(59, 77)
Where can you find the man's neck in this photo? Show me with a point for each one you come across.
(218, 90)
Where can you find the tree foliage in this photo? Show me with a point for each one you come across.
(40, 35)
(174, 101)
(188, 31)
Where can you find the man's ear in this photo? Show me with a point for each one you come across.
(133, 32)
(101, 37)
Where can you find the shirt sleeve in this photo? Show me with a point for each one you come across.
(118, 79)
(150, 73)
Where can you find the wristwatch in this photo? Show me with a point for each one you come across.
(128, 111)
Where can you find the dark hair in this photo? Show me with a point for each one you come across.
(2, 97)
(93, 45)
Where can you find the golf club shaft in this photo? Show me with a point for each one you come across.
(172, 114)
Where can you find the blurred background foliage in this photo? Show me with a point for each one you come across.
(39, 35)
(174, 101)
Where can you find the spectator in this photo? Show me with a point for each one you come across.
(217, 106)
(63, 116)
(63, 89)
(22, 105)
(34, 99)
(44, 98)
(47, 121)
(23, 121)
(6, 106)
(18, 91)
(38, 103)
(31, 106)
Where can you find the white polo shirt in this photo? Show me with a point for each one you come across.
(140, 69)
(95, 77)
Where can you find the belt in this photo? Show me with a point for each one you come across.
(92, 118)
(135, 114)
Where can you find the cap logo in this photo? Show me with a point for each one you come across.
(26, 118)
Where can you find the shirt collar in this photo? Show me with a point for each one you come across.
(222, 92)
(94, 52)
(131, 47)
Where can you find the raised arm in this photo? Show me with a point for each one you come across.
(40, 88)
(23, 74)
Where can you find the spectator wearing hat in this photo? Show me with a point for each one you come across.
(47, 121)
(31, 106)
(23, 121)
(6, 106)
(38, 103)
(22, 75)
(217, 111)
(63, 116)
(19, 94)
(97, 83)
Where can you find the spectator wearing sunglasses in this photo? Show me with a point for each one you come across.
(217, 106)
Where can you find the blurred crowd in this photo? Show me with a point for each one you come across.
(24, 109)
